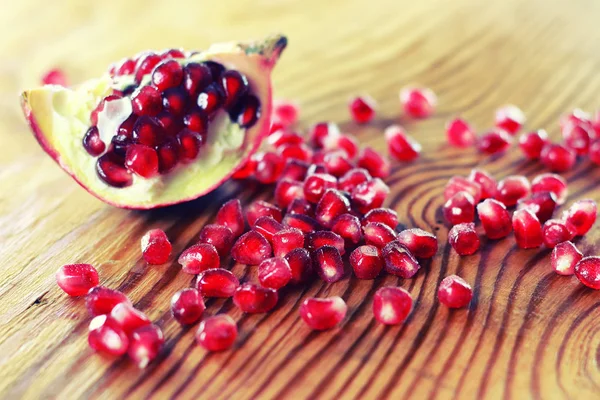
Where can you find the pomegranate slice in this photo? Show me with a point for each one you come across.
(226, 91)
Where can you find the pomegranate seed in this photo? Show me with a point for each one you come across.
(195, 78)
(378, 234)
(320, 131)
(581, 215)
(55, 77)
(486, 181)
(219, 236)
(246, 170)
(217, 333)
(328, 263)
(454, 292)
(295, 152)
(105, 336)
(386, 216)
(459, 209)
(494, 218)
(261, 208)
(148, 132)
(494, 142)
(362, 109)
(198, 258)
(170, 123)
(230, 215)
(376, 164)
(301, 206)
(101, 300)
(196, 121)
(77, 279)
(528, 229)
(248, 111)
(318, 239)
(287, 191)
(128, 318)
(418, 102)
(554, 232)
(145, 64)
(464, 239)
(511, 189)
(145, 344)
(336, 162)
(564, 258)
(217, 282)
(156, 247)
(541, 203)
(369, 195)
(316, 169)
(210, 99)
(510, 118)
(332, 204)
(142, 160)
(551, 183)
(125, 67)
(577, 116)
(285, 112)
(92, 142)
(294, 170)
(274, 273)
(269, 167)
(187, 306)
(301, 265)
(315, 186)
(146, 101)
(587, 271)
(251, 248)
(353, 178)
(399, 261)
(253, 299)
(578, 137)
(420, 243)
(267, 227)
(168, 154)
(594, 151)
(175, 102)
(460, 133)
(392, 305)
(167, 74)
(282, 137)
(557, 157)
(532, 143)
(458, 184)
(302, 222)
(234, 85)
(366, 262)
(345, 142)
(323, 314)
(189, 143)
(400, 145)
(112, 172)
(348, 227)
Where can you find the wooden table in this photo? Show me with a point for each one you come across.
(528, 332)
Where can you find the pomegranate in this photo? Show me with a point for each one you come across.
(167, 128)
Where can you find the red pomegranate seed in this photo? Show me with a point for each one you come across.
(587, 271)
(287, 191)
(510, 118)
(168, 154)
(142, 160)
(460, 133)
(187, 306)
(316, 169)
(320, 131)
(125, 67)
(486, 181)
(532, 143)
(77, 279)
(551, 183)
(351, 179)
(195, 120)
(261, 208)
(170, 123)
(282, 137)
(374, 162)
(285, 112)
(251, 248)
(323, 314)
(578, 137)
(332, 204)
(198, 258)
(146, 101)
(594, 151)
(55, 77)
(246, 170)
(336, 162)
(230, 215)
(167, 74)
(217, 282)
(302, 222)
(378, 234)
(362, 109)
(148, 132)
(195, 78)
(217, 333)
(454, 292)
(145, 64)
(219, 236)
(464, 239)
(112, 171)
(274, 273)
(564, 258)
(581, 215)
(399, 261)
(248, 111)
(315, 186)
(577, 116)
(156, 247)
(294, 170)
(494, 142)
(101, 300)
(301, 206)
(400, 145)
(175, 103)
(366, 262)
(557, 157)
(189, 143)
(345, 142)
(318, 239)
(234, 85)
(269, 167)
(494, 218)
(459, 209)
(210, 100)
(370, 195)
(527, 228)
(348, 227)
(392, 305)
(128, 318)
(301, 265)
(145, 344)
(92, 142)
(253, 299)
(418, 102)
(386, 216)
(420, 243)
(105, 336)
(541, 203)
(459, 184)
(267, 227)
(554, 232)
(511, 189)
(329, 264)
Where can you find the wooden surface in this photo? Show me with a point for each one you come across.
(528, 332)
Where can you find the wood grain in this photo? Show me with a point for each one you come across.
(528, 332)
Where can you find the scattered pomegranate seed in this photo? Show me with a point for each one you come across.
(331, 205)
(336, 162)
(366, 262)
(318, 239)
(253, 299)
(274, 273)
(187, 306)
(581, 215)
(106, 336)
(302, 222)
(464, 239)
(594, 151)
(587, 271)
(301, 265)
(262, 208)
(145, 344)
(554, 232)
(460, 133)
(323, 314)
(392, 305)
(251, 248)
(370, 195)
(459, 184)
(294, 170)
(399, 261)
(286, 191)
(285, 112)
(128, 318)
(101, 300)
(269, 167)
(527, 228)
(295, 152)
(217, 333)
(564, 258)
(532, 143)
(541, 203)
(283, 137)
(217, 282)
(510, 118)
(322, 130)
(400, 145)
(511, 189)
(315, 186)
(348, 227)
(378, 234)
(386, 216)
(420, 243)
(362, 109)
(578, 137)
(328, 264)
(353, 178)
(494, 142)
(418, 102)
(230, 215)
(267, 227)
(577, 116)
(487, 182)
(286, 240)
(55, 77)
(494, 218)
(557, 157)
(460, 208)
(551, 183)
(375, 163)
(156, 247)
(345, 142)
(246, 170)
(219, 236)
(146, 101)
(454, 292)
(77, 279)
